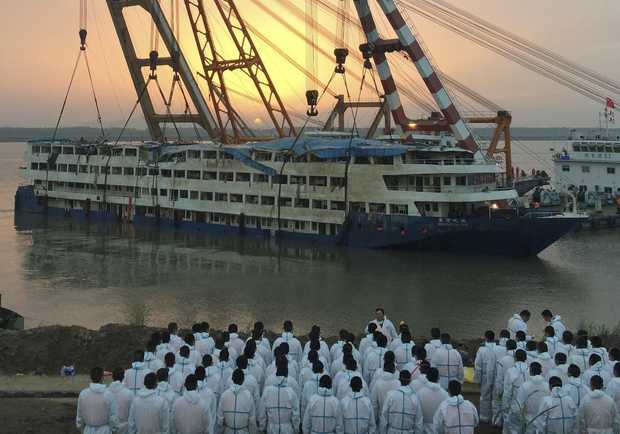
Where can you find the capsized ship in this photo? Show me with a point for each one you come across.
(424, 193)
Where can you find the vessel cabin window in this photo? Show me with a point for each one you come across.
(117, 152)
(302, 203)
(399, 209)
(153, 172)
(34, 166)
(94, 169)
(163, 192)
(611, 170)
(320, 181)
(141, 171)
(226, 156)
(337, 205)
(179, 173)
(298, 180)
(184, 194)
(267, 200)
(45, 149)
(43, 166)
(261, 177)
(193, 194)
(447, 180)
(592, 148)
(262, 156)
(67, 150)
(376, 208)
(461, 180)
(206, 195)
(36, 149)
(209, 155)
(362, 160)
(358, 206)
(585, 169)
(193, 155)
(242, 177)
(616, 148)
(337, 181)
(280, 179)
(208, 176)
(117, 171)
(83, 168)
(576, 148)
(226, 176)
(193, 174)
(565, 168)
(251, 199)
(319, 204)
(384, 160)
(609, 149)
(174, 194)
(56, 149)
(131, 152)
(166, 173)
(128, 171)
(236, 198)
(600, 148)
(282, 156)
(221, 197)
(286, 201)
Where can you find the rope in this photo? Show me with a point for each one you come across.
(167, 103)
(64, 103)
(92, 88)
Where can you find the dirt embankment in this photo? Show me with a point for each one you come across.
(45, 349)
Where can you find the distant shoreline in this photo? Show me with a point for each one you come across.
(14, 134)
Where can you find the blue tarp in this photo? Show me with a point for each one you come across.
(238, 154)
(330, 147)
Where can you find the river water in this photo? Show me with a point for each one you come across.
(59, 272)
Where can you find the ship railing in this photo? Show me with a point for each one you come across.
(443, 161)
(532, 214)
(449, 189)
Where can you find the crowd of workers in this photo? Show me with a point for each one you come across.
(205, 384)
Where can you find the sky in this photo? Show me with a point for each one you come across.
(40, 44)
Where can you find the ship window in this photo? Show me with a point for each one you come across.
(221, 197)
(585, 169)
(300, 225)
(163, 192)
(384, 160)
(166, 173)
(36, 149)
(193, 174)
(45, 149)
(194, 155)
(43, 166)
(193, 194)
(206, 195)
(576, 148)
(251, 199)
(358, 206)
(208, 176)
(608, 149)
(609, 190)
(281, 156)
(236, 198)
(174, 194)
(337, 205)
(226, 156)
(67, 150)
(337, 181)
(616, 148)
(447, 180)
(117, 170)
(565, 168)
(286, 201)
(302, 203)
(34, 166)
(611, 170)
(461, 180)
(377, 208)
(261, 177)
(62, 167)
(242, 177)
(153, 192)
(226, 176)
(57, 149)
(298, 180)
(117, 152)
(179, 173)
(131, 152)
(262, 156)
(435, 206)
(320, 181)
(209, 155)
(105, 169)
(128, 171)
(319, 204)
(280, 179)
(94, 169)
(362, 160)
(141, 171)
(83, 168)
(399, 209)
(267, 200)
(153, 172)
(600, 148)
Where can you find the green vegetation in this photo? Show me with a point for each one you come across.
(599, 329)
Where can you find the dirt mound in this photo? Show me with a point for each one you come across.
(45, 349)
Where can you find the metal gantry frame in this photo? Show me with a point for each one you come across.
(248, 60)
(176, 62)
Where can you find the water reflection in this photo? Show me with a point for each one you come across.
(134, 274)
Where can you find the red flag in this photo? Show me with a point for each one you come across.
(610, 103)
